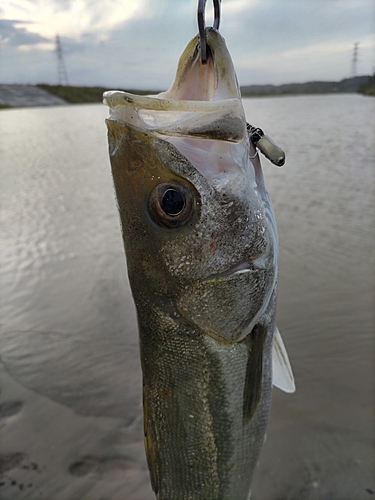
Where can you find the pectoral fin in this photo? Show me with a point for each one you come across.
(254, 371)
(282, 375)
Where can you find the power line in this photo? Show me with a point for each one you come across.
(62, 73)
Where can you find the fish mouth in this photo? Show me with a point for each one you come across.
(201, 114)
(203, 102)
(213, 80)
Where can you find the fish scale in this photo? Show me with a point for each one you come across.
(212, 418)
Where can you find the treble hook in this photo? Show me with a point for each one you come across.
(202, 25)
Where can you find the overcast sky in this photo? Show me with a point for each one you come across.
(137, 43)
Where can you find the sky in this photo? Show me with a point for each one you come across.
(135, 44)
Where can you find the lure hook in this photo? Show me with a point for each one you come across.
(202, 25)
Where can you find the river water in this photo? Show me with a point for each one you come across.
(70, 401)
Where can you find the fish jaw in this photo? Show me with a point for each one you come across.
(203, 102)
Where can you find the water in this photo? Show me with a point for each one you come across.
(70, 402)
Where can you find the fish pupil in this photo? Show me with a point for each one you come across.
(172, 202)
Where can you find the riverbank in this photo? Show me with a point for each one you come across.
(20, 96)
(52, 95)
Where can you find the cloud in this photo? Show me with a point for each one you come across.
(72, 18)
(274, 24)
(281, 42)
(15, 33)
(137, 43)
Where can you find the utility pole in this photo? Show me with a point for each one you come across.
(355, 59)
(62, 74)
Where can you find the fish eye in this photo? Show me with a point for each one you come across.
(171, 204)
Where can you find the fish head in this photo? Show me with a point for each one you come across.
(198, 227)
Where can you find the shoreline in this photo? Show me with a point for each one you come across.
(20, 96)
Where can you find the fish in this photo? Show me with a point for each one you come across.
(201, 248)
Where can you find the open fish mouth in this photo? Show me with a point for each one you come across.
(201, 114)
(203, 102)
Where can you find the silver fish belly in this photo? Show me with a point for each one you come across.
(201, 248)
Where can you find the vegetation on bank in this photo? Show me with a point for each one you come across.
(361, 84)
(83, 95)
(369, 87)
(347, 85)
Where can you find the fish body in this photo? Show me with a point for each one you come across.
(201, 248)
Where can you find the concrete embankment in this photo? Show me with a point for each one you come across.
(20, 96)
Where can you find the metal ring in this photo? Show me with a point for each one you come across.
(202, 25)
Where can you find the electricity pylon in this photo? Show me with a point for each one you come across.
(355, 59)
(62, 74)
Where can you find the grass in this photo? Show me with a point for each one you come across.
(369, 87)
